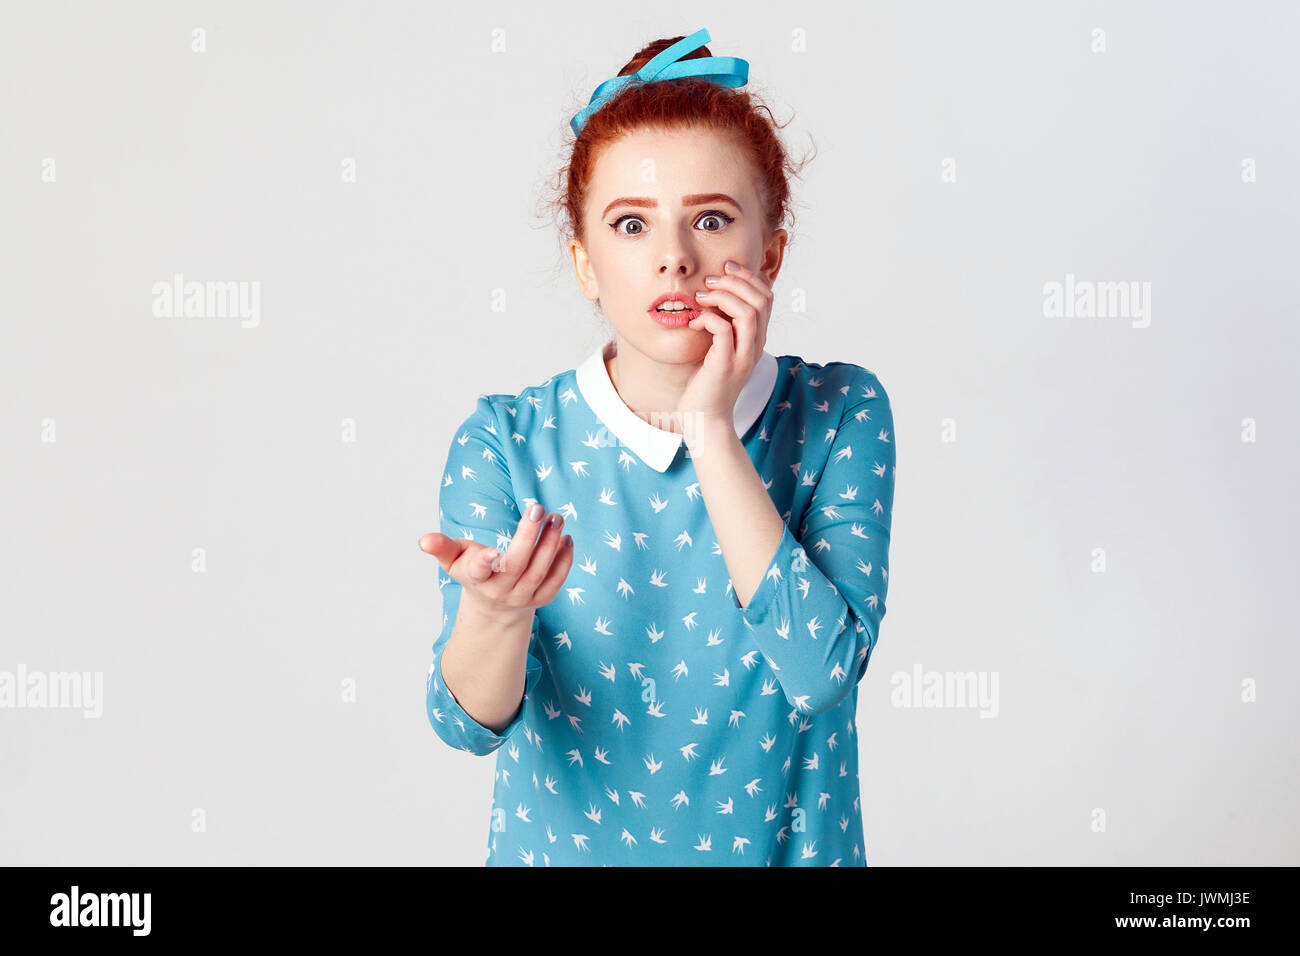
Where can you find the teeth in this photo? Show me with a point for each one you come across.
(672, 305)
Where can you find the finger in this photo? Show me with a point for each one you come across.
(717, 326)
(758, 292)
(541, 558)
(557, 573)
(757, 279)
(743, 323)
(760, 338)
(516, 556)
(744, 318)
(746, 286)
(476, 567)
(727, 302)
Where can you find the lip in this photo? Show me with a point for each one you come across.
(674, 320)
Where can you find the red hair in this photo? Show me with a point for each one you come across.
(681, 104)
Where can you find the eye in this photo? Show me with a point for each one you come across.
(715, 214)
(719, 215)
(623, 218)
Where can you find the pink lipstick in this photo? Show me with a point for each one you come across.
(674, 317)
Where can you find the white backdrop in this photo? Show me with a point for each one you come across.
(215, 516)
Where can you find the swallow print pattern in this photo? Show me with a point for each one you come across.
(662, 723)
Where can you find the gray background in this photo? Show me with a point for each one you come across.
(1119, 690)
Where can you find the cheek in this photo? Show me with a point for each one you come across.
(613, 262)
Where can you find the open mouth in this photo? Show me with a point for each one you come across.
(674, 309)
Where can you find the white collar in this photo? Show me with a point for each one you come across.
(656, 447)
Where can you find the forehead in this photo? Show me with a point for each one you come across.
(666, 165)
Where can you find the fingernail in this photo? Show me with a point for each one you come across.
(731, 266)
(710, 281)
(701, 295)
(534, 512)
(555, 519)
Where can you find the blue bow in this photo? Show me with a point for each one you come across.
(726, 71)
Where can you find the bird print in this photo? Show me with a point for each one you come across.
(644, 644)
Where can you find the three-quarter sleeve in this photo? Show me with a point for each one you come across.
(476, 501)
(816, 614)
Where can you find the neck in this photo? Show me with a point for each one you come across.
(652, 390)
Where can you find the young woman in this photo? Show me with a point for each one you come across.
(665, 570)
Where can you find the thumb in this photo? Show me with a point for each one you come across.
(445, 549)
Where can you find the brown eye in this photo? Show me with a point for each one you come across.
(717, 214)
(627, 216)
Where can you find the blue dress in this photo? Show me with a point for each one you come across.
(662, 723)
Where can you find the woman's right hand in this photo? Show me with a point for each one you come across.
(526, 577)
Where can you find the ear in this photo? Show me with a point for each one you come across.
(774, 255)
(583, 272)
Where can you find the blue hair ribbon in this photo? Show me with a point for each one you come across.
(725, 71)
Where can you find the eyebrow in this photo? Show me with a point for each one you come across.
(698, 199)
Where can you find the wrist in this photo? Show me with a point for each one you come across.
(708, 432)
(493, 613)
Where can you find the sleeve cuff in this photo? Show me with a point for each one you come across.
(789, 559)
(480, 739)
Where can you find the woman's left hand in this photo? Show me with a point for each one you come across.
(739, 336)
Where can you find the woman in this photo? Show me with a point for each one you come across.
(666, 664)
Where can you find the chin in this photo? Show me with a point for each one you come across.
(668, 346)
